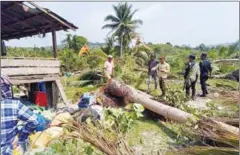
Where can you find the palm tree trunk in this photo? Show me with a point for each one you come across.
(131, 95)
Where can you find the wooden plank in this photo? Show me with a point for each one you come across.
(22, 81)
(29, 63)
(61, 90)
(28, 58)
(29, 71)
(55, 95)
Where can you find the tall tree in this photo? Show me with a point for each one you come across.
(74, 42)
(122, 24)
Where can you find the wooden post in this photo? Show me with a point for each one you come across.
(33, 88)
(49, 91)
(55, 95)
(54, 43)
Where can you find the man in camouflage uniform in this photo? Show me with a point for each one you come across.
(191, 74)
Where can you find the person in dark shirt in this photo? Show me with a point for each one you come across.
(152, 74)
(205, 71)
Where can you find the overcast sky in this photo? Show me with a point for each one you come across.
(189, 23)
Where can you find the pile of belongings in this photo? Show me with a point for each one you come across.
(88, 106)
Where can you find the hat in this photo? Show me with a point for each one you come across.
(204, 54)
(109, 56)
(153, 55)
(192, 56)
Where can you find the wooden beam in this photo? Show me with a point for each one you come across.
(61, 90)
(29, 63)
(8, 7)
(30, 71)
(16, 19)
(49, 91)
(38, 30)
(22, 81)
(27, 34)
(55, 95)
(51, 15)
(54, 43)
(23, 20)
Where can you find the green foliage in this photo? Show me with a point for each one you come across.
(212, 54)
(176, 98)
(121, 120)
(223, 52)
(74, 42)
(70, 147)
(29, 52)
(227, 68)
(109, 47)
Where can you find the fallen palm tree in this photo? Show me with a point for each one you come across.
(131, 95)
(227, 61)
(232, 76)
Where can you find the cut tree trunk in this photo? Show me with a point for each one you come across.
(131, 95)
(227, 60)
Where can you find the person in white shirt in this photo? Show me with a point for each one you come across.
(163, 70)
(108, 67)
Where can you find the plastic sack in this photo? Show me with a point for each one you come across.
(62, 118)
(42, 123)
(86, 100)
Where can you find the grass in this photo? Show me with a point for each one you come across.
(223, 83)
(153, 136)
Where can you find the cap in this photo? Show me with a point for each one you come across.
(204, 54)
(192, 56)
(109, 56)
(153, 55)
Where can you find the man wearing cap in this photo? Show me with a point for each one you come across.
(205, 70)
(163, 70)
(12, 110)
(152, 73)
(191, 74)
(108, 67)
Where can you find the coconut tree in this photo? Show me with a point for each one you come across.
(122, 24)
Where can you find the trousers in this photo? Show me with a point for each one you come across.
(191, 85)
(162, 83)
(203, 80)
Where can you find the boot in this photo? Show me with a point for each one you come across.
(193, 98)
(203, 95)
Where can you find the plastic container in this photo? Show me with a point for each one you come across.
(41, 99)
(42, 86)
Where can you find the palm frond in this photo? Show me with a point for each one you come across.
(112, 19)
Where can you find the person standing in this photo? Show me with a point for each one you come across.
(191, 74)
(163, 70)
(12, 111)
(108, 67)
(152, 74)
(205, 70)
